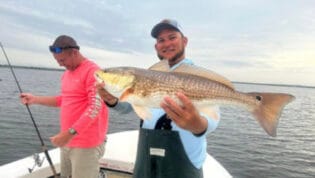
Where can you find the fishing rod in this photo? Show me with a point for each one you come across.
(44, 147)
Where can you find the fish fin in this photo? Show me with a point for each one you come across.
(143, 112)
(203, 72)
(269, 110)
(211, 112)
(161, 66)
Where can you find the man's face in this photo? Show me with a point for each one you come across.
(170, 45)
(66, 59)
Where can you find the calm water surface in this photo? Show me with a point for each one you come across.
(239, 143)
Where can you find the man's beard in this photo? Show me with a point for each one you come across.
(175, 58)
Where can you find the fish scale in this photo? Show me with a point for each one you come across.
(194, 87)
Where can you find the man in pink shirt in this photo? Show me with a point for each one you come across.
(83, 115)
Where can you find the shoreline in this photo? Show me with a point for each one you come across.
(238, 82)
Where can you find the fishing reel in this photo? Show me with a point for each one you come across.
(37, 162)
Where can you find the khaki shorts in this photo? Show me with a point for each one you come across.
(80, 162)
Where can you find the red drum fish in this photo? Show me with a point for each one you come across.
(146, 88)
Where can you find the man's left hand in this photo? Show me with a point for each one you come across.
(61, 139)
(185, 115)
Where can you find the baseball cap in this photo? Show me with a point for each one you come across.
(165, 24)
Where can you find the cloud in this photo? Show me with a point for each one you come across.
(234, 37)
(28, 58)
(106, 58)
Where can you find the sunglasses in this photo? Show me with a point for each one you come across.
(58, 50)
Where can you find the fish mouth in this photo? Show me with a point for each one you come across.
(98, 76)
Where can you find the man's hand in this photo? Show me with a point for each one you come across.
(27, 98)
(185, 115)
(61, 139)
(105, 95)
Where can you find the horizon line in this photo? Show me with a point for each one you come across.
(239, 82)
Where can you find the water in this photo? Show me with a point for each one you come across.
(239, 143)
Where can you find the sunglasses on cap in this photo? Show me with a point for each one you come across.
(58, 50)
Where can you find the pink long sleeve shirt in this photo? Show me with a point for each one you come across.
(81, 108)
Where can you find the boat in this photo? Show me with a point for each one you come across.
(117, 162)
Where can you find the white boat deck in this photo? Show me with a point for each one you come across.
(119, 156)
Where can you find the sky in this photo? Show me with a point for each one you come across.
(261, 41)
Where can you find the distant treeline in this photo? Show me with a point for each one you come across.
(55, 69)
(32, 67)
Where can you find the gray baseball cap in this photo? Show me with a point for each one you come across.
(165, 24)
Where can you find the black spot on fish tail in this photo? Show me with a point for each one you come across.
(269, 109)
(259, 98)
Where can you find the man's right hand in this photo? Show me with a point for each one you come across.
(27, 98)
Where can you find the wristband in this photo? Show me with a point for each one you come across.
(200, 134)
(111, 105)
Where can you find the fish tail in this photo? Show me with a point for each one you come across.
(269, 110)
